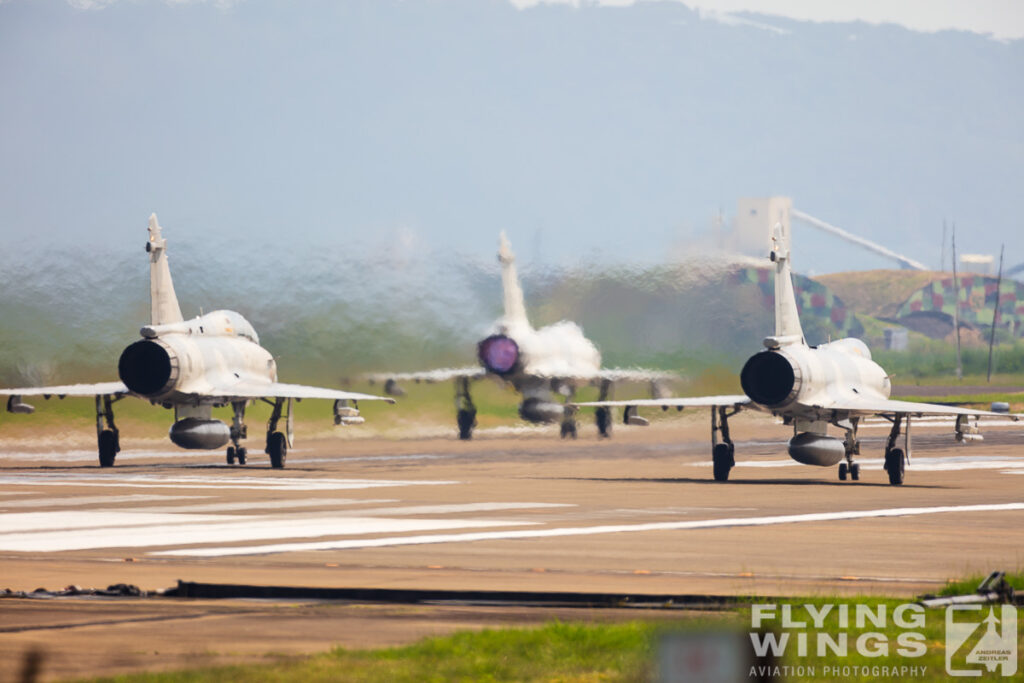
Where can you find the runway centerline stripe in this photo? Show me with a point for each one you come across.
(586, 531)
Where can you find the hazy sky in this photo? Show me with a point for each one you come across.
(395, 129)
(1003, 19)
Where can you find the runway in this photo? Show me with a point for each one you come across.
(636, 513)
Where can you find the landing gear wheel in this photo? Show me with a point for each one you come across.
(231, 455)
(843, 469)
(466, 420)
(277, 449)
(108, 448)
(241, 455)
(722, 460)
(855, 471)
(895, 466)
(569, 430)
(603, 417)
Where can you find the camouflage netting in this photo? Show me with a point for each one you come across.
(818, 306)
(672, 316)
(977, 301)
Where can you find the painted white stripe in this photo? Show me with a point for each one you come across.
(585, 531)
(364, 458)
(251, 483)
(266, 505)
(92, 500)
(238, 529)
(452, 509)
(14, 522)
(80, 455)
(920, 464)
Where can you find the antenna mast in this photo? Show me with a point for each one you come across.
(995, 312)
(956, 310)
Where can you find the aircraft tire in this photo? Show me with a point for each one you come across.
(894, 465)
(466, 420)
(231, 455)
(107, 447)
(843, 469)
(603, 417)
(277, 448)
(241, 453)
(721, 458)
(855, 471)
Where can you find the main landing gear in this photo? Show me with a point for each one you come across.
(852, 445)
(603, 416)
(722, 454)
(277, 443)
(465, 411)
(238, 432)
(569, 426)
(896, 458)
(106, 431)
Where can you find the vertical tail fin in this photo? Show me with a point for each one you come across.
(515, 308)
(163, 301)
(787, 318)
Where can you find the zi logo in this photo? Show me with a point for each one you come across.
(976, 642)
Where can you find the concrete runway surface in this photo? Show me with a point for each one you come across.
(638, 513)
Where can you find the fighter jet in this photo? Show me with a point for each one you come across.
(811, 388)
(539, 364)
(191, 366)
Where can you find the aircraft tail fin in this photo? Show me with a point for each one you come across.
(515, 307)
(787, 317)
(163, 300)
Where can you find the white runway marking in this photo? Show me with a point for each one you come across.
(131, 531)
(91, 456)
(92, 519)
(115, 480)
(452, 509)
(260, 505)
(919, 463)
(585, 531)
(364, 458)
(91, 500)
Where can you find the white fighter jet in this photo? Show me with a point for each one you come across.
(539, 364)
(811, 388)
(192, 366)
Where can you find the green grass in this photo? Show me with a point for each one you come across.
(625, 651)
(554, 651)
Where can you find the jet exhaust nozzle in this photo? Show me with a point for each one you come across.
(538, 410)
(198, 434)
(816, 449)
(148, 367)
(499, 354)
(771, 378)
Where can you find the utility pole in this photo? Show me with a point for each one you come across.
(956, 311)
(995, 313)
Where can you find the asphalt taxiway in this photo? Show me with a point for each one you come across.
(638, 513)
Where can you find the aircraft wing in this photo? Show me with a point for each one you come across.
(69, 390)
(634, 375)
(876, 406)
(674, 402)
(279, 390)
(429, 376)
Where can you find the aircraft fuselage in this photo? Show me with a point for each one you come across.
(180, 362)
(802, 383)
